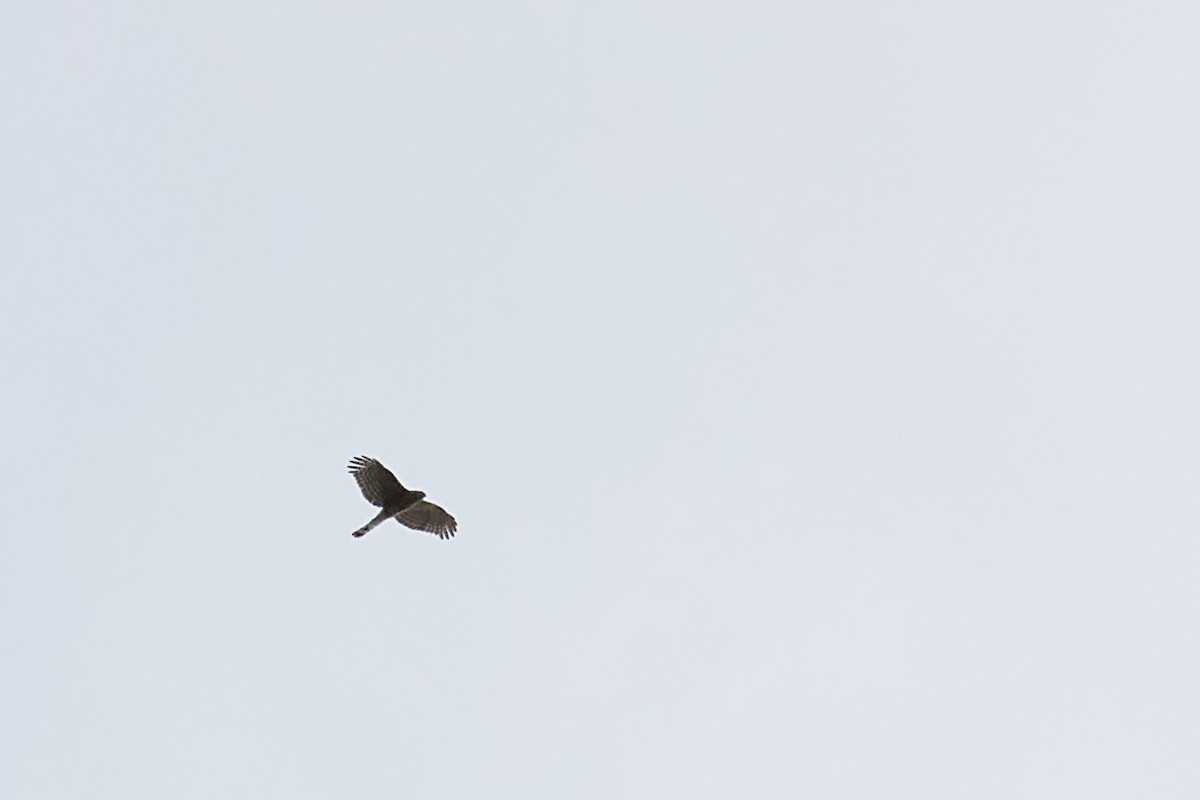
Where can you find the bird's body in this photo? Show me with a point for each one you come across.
(409, 507)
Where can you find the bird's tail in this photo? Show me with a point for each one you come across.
(365, 529)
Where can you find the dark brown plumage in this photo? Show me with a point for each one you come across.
(407, 506)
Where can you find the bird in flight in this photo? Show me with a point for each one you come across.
(409, 507)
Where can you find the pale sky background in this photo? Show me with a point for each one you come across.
(816, 386)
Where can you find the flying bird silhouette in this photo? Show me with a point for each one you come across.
(408, 506)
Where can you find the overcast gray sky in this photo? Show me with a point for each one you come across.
(815, 386)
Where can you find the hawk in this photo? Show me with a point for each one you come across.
(408, 506)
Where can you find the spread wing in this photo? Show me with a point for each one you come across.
(378, 484)
(425, 516)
